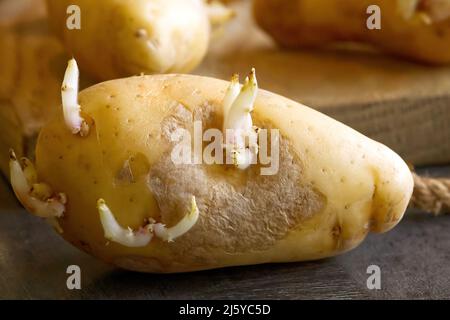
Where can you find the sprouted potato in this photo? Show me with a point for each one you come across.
(415, 29)
(105, 177)
(124, 38)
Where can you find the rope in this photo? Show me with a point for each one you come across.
(431, 194)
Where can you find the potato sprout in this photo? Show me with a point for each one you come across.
(185, 224)
(69, 95)
(142, 237)
(114, 232)
(36, 197)
(240, 134)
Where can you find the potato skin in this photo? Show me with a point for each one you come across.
(355, 184)
(316, 23)
(124, 38)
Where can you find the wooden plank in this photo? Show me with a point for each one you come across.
(418, 128)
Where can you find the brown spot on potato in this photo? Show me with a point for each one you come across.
(336, 232)
(179, 117)
(134, 167)
(141, 33)
(240, 211)
(125, 175)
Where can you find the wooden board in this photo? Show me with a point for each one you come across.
(401, 104)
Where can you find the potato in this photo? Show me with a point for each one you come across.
(123, 38)
(332, 187)
(415, 29)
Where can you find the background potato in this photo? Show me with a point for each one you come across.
(30, 82)
(123, 38)
(333, 186)
(422, 33)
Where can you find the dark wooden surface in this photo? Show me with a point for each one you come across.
(414, 259)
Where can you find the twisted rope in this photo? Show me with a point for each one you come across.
(431, 194)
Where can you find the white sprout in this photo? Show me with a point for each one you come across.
(183, 226)
(243, 158)
(114, 232)
(232, 92)
(238, 115)
(69, 96)
(142, 237)
(241, 136)
(36, 197)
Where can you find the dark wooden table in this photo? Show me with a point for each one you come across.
(414, 260)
